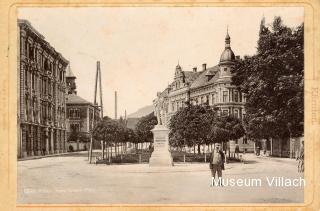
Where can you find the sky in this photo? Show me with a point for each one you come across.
(139, 47)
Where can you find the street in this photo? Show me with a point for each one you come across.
(71, 179)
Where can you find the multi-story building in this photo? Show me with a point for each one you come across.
(41, 92)
(210, 86)
(81, 116)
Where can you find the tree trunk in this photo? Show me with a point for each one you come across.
(110, 154)
(280, 141)
(102, 149)
(107, 152)
(199, 149)
(90, 150)
(194, 149)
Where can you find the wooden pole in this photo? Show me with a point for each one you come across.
(101, 103)
(90, 150)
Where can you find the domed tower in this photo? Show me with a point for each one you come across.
(227, 59)
(71, 81)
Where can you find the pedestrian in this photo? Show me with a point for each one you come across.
(217, 164)
(237, 151)
(258, 151)
(300, 158)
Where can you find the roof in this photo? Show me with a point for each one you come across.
(70, 73)
(26, 24)
(227, 55)
(202, 79)
(190, 76)
(75, 99)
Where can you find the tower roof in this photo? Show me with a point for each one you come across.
(70, 73)
(227, 55)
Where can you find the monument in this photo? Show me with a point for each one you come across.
(160, 157)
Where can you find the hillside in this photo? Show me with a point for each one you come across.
(142, 112)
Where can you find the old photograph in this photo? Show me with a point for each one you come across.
(160, 105)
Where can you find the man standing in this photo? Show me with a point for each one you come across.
(300, 158)
(217, 164)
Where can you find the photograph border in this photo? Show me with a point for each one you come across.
(8, 108)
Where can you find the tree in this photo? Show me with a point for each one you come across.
(225, 128)
(144, 126)
(109, 131)
(190, 126)
(272, 81)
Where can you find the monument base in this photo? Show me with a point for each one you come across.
(161, 157)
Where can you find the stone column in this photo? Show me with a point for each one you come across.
(31, 140)
(39, 141)
(51, 141)
(55, 141)
(47, 140)
(64, 140)
(58, 140)
(23, 141)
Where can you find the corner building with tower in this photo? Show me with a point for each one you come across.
(209, 86)
(82, 116)
(41, 95)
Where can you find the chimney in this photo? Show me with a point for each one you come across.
(194, 69)
(204, 66)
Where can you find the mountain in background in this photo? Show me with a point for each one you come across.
(142, 112)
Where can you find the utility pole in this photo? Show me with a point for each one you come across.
(95, 104)
(98, 77)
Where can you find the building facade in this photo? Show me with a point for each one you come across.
(81, 116)
(209, 86)
(41, 89)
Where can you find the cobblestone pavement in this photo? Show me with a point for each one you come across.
(70, 179)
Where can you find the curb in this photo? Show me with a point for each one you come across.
(45, 156)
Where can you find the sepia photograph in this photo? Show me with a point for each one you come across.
(160, 105)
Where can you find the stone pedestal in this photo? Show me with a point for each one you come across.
(161, 155)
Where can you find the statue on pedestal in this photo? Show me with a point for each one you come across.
(161, 155)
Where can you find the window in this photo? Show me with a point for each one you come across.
(26, 77)
(31, 52)
(33, 81)
(225, 96)
(236, 113)
(74, 113)
(225, 69)
(213, 98)
(75, 127)
(236, 96)
(225, 112)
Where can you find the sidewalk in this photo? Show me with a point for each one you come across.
(47, 156)
(252, 156)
